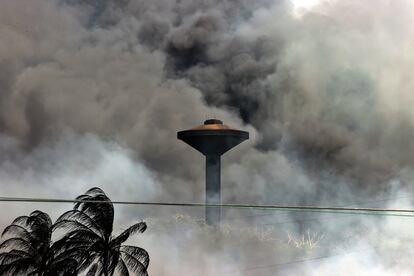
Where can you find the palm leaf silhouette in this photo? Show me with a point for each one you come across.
(90, 242)
(27, 248)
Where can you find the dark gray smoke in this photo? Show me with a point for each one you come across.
(93, 92)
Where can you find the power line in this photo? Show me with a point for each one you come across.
(336, 210)
(312, 219)
(347, 205)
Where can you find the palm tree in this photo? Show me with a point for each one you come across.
(28, 249)
(90, 241)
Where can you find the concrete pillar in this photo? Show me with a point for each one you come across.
(213, 214)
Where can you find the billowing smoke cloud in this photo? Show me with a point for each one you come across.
(93, 92)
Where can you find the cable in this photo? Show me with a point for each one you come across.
(310, 219)
(336, 210)
(347, 205)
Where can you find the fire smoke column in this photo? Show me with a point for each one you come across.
(213, 139)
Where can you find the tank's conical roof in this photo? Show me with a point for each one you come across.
(213, 137)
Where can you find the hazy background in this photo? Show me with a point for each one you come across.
(92, 93)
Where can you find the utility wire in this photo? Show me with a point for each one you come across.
(312, 219)
(347, 205)
(336, 210)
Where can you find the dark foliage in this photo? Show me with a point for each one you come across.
(90, 241)
(27, 249)
(87, 243)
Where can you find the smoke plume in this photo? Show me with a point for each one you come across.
(93, 93)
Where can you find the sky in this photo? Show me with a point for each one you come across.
(93, 93)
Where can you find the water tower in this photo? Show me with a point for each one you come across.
(213, 139)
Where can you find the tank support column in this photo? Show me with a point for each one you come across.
(213, 214)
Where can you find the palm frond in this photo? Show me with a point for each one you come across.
(134, 264)
(17, 230)
(75, 253)
(24, 265)
(101, 213)
(64, 267)
(82, 235)
(87, 261)
(7, 258)
(138, 227)
(81, 217)
(17, 243)
(18, 252)
(71, 225)
(89, 195)
(41, 216)
(95, 191)
(122, 268)
(113, 261)
(67, 243)
(92, 270)
(29, 243)
(41, 232)
(101, 267)
(138, 253)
